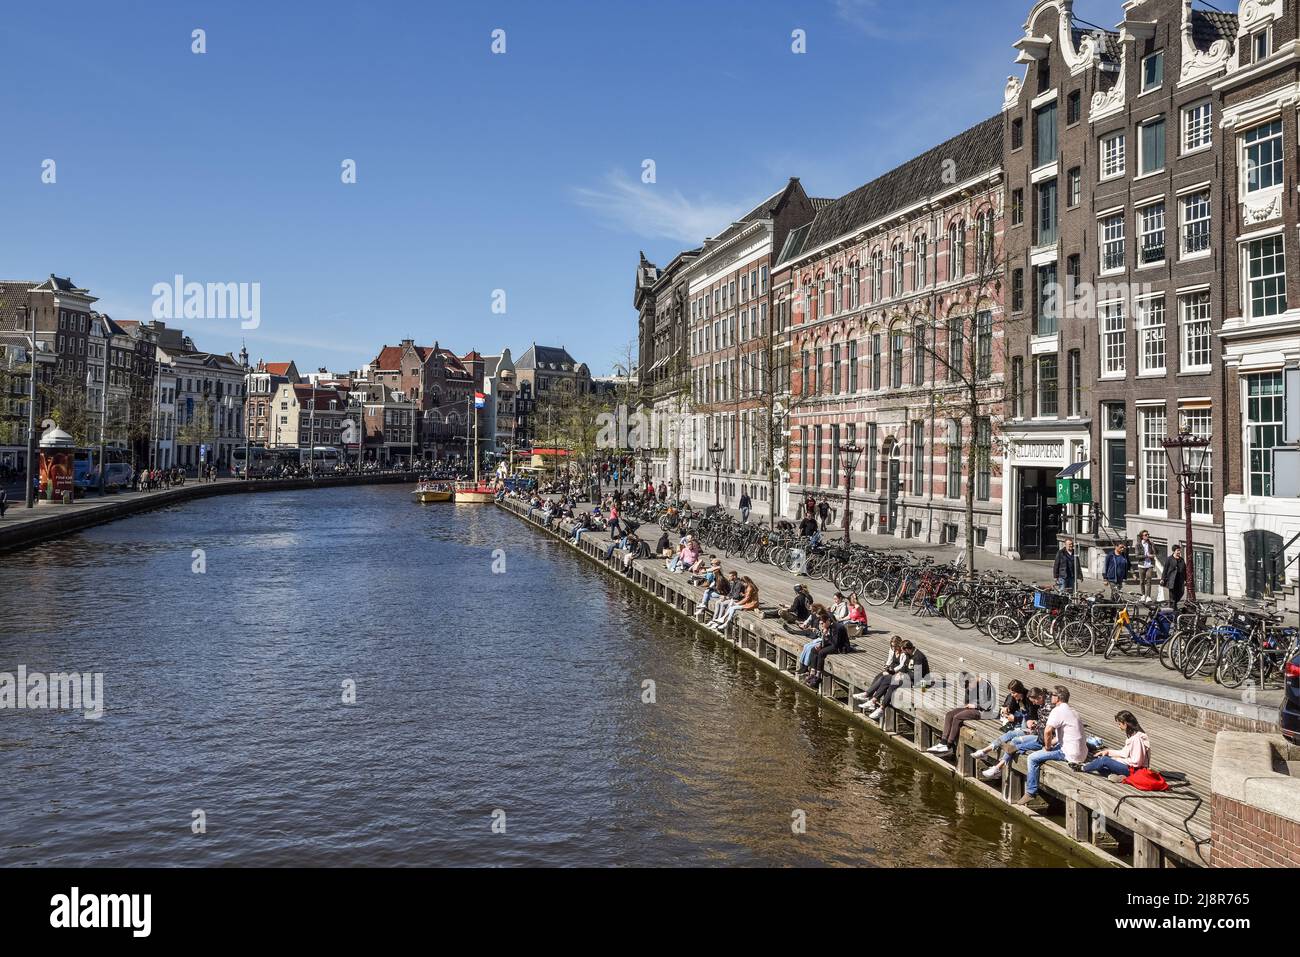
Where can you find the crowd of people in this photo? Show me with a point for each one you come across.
(1036, 722)
(1172, 576)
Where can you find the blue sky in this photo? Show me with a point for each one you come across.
(475, 171)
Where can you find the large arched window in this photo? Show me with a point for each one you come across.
(957, 249)
(897, 338)
(878, 275)
(920, 255)
(897, 289)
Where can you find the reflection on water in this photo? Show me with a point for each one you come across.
(476, 692)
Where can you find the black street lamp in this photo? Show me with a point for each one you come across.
(849, 455)
(1188, 456)
(715, 456)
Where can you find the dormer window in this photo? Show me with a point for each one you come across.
(1261, 44)
(1153, 72)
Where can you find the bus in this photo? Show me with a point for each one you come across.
(323, 458)
(261, 460)
(117, 468)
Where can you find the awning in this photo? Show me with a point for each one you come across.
(1071, 470)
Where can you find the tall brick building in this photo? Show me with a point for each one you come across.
(896, 313)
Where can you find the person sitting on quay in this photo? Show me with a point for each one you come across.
(1116, 570)
(836, 642)
(857, 613)
(1136, 753)
(978, 696)
(1063, 740)
(636, 548)
(615, 544)
(687, 555)
(664, 547)
(709, 567)
(915, 668)
(893, 664)
(840, 607)
(1024, 734)
(720, 586)
(817, 624)
(747, 601)
(799, 609)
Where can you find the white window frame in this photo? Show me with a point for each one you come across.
(1193, 124)
(1115, 223)
(1184, 205)
(1146, 215)
(1198, 300)
(1198, 419)
(1247, 283)
(1154, 486)
(1244, 149)
(1157, 55)
(1113, 339)
(1117, 164)
(1142, 171)
(1151, 321)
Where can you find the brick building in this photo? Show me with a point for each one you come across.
(896, 316)
(732, 353)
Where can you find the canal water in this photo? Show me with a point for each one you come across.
(513, 705)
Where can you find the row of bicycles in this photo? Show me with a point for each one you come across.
(1235, 644)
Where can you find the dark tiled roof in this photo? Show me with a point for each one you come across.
(1110, 45)
(820, 202)
(13, 293)
(976, 150)
(1211, 25)
(550, 355)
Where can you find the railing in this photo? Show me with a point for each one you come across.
(1279, 574)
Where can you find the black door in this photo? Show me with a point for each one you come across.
(1040, 516)
(895, 483)
(1116, 486)
(1261, 568)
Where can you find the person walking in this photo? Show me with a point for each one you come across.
(824, 511)
(744, 506)
(1116, 570)
(1174, 576)
(1063, 569)
(1146, 562)
(4, 501)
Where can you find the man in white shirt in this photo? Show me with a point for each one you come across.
(1063, 740)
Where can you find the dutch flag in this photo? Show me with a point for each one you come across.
(479, 400)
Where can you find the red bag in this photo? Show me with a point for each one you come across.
(1144, 779)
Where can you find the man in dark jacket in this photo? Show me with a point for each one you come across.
(1116, 570)
(1174, 576)
(1063, 569)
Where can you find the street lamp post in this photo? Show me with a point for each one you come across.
(1188, 456)
(849, 455)
(31, 415)
(715, 456)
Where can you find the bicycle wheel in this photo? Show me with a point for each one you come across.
(1197, 655)
(1117, 644)
(961, 610)
(1235, 664)
(876, 592)
(1171, 651)
(1005, 629)
(1034, 629)
(1076, 639)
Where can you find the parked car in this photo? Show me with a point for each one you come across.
(1289, 714)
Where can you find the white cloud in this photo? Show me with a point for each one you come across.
(653, 211)
(863, 14)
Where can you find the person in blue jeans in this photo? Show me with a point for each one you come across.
(1135, 754)
(1023, 738)
(1063, 740)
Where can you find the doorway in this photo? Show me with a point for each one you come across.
(1040, 516)
(1116, 482)
(895, 485)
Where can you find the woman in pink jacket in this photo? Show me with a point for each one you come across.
(1135, 754)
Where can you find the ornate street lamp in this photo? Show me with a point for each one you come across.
(715, 456)
(1189, 457)
(849, 455)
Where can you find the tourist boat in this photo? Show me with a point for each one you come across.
(431, 492)
(475, 492)
(471, 493)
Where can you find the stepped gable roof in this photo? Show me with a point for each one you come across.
(974, 150)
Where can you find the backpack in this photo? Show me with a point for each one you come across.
(1144, 779)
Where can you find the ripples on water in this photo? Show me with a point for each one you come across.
(475, 692)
